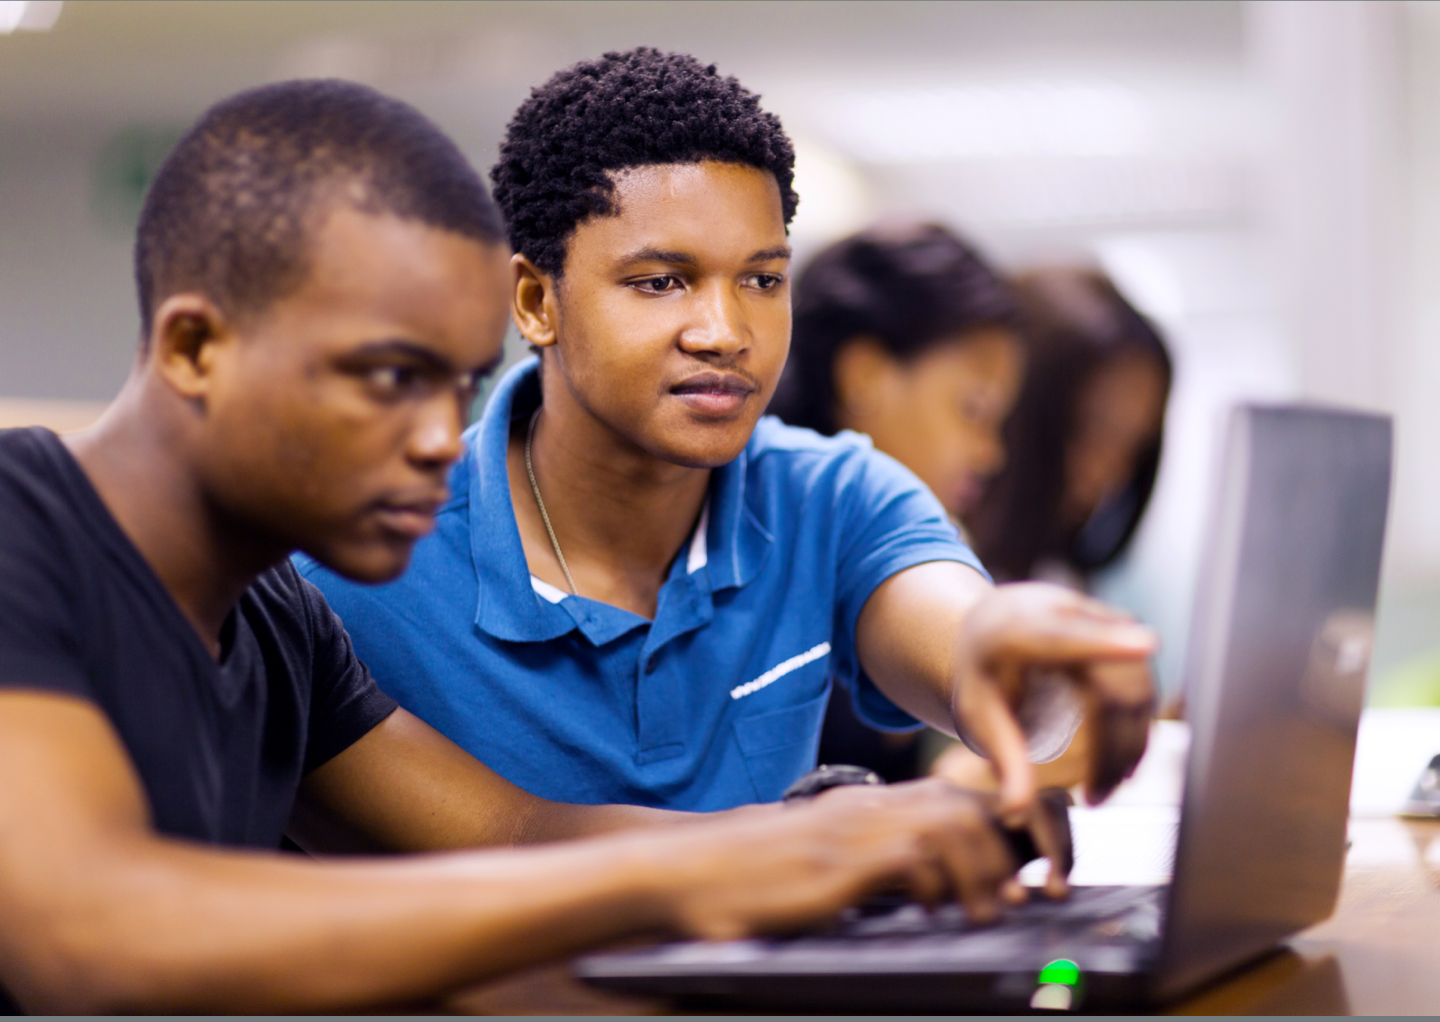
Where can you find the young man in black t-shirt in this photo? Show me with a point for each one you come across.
(321, 283)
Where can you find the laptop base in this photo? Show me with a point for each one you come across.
(892, 956)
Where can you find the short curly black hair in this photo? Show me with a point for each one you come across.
(230, 212)
(631, 109)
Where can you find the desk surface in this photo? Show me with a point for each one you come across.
(1379, 954)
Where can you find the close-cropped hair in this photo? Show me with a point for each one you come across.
(232, 208)
(632, 109)
(905, 286)
(1077, 323)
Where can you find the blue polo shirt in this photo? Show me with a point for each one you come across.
(715, 703)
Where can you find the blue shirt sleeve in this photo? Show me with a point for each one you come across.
(889, 521)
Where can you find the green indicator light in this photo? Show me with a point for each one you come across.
(1062, 971)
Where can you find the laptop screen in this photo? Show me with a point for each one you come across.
(1275, 682)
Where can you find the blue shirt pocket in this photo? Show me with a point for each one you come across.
(780, 745)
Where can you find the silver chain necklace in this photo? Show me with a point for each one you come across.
(544, 516)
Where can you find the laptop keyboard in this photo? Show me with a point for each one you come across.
(1105, 929)
(1122, 914)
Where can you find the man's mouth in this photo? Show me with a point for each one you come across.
(410, 519)
(715, 394)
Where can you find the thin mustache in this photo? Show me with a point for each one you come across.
(750, 381)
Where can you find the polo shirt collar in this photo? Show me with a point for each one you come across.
(506, 606)
(728, 549)
(737, 539)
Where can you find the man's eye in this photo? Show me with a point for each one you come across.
(658, 285)
(392, 378)
(765, 281)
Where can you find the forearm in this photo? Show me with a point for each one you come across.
(406, 788)
(1026, 661)
(559, 821)
(556, 821)
(907, 637)
(164, 927)
(913, 644)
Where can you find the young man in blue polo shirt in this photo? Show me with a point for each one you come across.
(641, 591)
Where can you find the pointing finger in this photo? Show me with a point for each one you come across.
(990, 723)
(1060, 639)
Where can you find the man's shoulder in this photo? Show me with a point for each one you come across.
(794, 460)
(28, 458)
(285, 604)
(281, 584)
(40, 495)
(26, 438)
(774, 439)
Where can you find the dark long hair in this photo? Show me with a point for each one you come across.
(1076, 323)
(906, 286)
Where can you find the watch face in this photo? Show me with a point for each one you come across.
(826, 777)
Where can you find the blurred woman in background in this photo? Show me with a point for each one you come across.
(1084, 438)
(904, 333)
(1084, 449)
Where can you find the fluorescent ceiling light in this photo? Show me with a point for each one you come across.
(992, 121)
(28, 15)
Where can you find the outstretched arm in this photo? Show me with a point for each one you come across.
(959, 653)
(405, 787)
(99, 913)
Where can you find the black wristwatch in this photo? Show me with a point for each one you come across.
(823, 778)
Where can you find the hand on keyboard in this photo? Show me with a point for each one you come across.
(806, 863)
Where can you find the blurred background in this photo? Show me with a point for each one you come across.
(1262, 178)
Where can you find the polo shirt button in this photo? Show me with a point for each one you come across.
(651, 662)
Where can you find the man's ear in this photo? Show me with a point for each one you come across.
(184, 341)
(533, 302)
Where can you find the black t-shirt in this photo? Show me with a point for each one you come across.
(220, 747)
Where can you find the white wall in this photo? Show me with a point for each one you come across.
(68, 324)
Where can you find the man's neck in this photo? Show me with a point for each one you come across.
(620, 514)
(133, 462)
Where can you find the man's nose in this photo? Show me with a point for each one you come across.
(718, 324)
(435, 437)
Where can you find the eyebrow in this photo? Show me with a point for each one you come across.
(409, 349)
(662, 255)
(767, 254)
(659, 255)
(433, 362)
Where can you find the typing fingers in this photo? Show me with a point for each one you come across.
(1050, 829)
(979, 865)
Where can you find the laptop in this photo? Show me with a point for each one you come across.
(1275, 680)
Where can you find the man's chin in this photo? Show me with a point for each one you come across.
(712, 451)
(371, 564)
